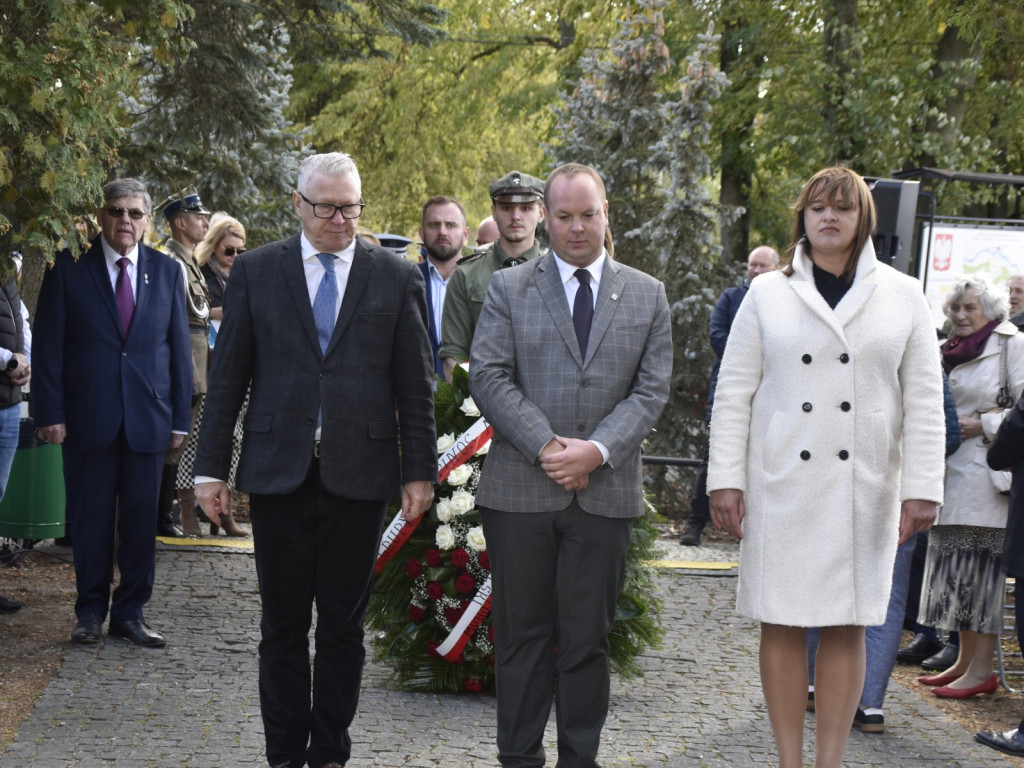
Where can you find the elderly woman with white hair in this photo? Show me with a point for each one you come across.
(963, 584)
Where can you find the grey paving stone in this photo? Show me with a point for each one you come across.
(195, 703)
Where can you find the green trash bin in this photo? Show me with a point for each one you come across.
(34, 505)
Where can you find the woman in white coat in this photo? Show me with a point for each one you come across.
(963, 584)
(827, 441)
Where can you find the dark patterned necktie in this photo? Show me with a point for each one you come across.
(123, 294)
(583, 310)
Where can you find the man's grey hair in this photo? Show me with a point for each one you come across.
(118, 188)
(992, 303)
(328, 164)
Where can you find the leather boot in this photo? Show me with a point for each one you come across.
(164, 517)
(230, 526)
(189, 521)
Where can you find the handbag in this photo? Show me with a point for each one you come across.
(1001, 479)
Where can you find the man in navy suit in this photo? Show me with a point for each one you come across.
(112, 384)
(328, 334)
(443, 232)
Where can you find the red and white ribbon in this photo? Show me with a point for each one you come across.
(467, 624)
(400, 529)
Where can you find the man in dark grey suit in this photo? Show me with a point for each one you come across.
(331, 335)
(571, 364)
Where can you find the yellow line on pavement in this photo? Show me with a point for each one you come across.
(207, 542)
(693, 565)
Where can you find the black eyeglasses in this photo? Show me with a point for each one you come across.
(327, 210)
(116, 213)
(232, 251)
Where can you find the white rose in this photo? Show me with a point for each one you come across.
(445, 510)
(469, 407)
(444, 442)
(461, 502)
(460, 475)
(475, 539)
(445, 537)
(482, 451)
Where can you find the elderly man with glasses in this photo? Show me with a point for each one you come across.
(112, 384)
(331, 333)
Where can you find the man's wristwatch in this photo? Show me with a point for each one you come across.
(11, 364)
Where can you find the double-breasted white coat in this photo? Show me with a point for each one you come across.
(971, 498)
(827, 420)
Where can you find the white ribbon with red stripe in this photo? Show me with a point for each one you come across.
(400, 529)
(467, 624)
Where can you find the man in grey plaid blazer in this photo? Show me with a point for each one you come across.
(571, 400)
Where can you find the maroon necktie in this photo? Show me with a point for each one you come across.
(123, 294)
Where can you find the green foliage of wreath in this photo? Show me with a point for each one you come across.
(425, 587)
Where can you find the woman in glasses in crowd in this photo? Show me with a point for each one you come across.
(224, 242)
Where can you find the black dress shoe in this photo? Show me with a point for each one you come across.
(918, 649)
(136, 631)
(170, 530)
(87, 631)
(942, 660)
(691, 534)
(7, 605)
(1008, 742)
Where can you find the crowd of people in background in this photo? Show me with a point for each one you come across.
(844, 438)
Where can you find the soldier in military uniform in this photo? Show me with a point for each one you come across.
(188, 221)
(516, 204)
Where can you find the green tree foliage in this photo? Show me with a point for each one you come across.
(452, 117)
(63, 67)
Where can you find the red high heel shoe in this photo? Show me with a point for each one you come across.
(988, 687)
(934, 680)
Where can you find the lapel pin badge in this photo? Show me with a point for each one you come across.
(615, 297)
(145, 278)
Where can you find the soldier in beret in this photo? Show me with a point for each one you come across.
(516, 204)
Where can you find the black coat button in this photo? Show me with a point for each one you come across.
(844, 455)
(845, 406)
(806, 359)
(807, 407)
(844, 358)
(805, 455)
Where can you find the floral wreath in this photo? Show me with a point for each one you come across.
(431, 599)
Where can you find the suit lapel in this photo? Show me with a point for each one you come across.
(549, 285)
(294, 275)
(608, 294)
(358, 278)
(96, 265)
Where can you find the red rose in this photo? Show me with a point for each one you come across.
(452, 615)
(417, 614)
(413, 567)
(464, 583)
(460, 558)
(473, 684)
(432, 649)
(433, 557)
(484, 560)
(490, 632)
(434, 590)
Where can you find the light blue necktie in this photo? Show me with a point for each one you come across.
(325, 302)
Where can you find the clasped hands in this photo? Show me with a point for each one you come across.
(569, 461)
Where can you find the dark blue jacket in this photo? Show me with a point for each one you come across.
(726, 307)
